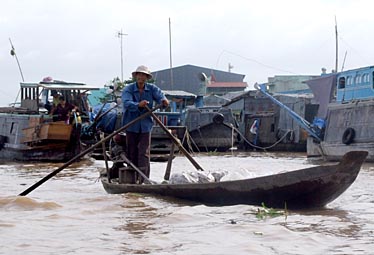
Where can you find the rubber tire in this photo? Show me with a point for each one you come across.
(3, 140)
(348, 136)
(218, 118)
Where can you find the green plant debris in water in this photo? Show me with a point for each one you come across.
(265, 212)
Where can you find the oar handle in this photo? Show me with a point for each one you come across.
(50, 175)
(175, 140)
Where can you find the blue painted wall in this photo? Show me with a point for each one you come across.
(355, 84)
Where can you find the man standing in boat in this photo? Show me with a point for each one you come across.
(135, 97)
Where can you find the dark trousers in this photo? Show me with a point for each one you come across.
(138, 151)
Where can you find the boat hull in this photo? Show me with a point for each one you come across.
(210, 129)
(51, 153)
(28, 137)
(300, 189)
(212, 137)
(356, 116)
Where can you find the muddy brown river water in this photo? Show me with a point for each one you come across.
(72, 214)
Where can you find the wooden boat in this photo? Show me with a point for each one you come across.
(306, 188)
(29, 133)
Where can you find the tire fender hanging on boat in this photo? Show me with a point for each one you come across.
(348, 136)
(218, 118)
(3, 140)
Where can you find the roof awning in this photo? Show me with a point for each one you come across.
(68, 86)
(179, 93)
(60, 86)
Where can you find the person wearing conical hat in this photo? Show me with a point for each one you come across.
(135, 97)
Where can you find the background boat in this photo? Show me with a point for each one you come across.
(29, 133)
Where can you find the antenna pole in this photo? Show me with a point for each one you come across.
(13, 53)
(336, 46)
(171, 63)
(120, 35)
(345, 55)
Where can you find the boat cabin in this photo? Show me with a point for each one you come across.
(355, 84)
(179, 101)
(30, 133)
(172, 117)
(35, 97)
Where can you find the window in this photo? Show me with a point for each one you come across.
(364, 78)
(13, 128)
(349, 80)
(341, 84)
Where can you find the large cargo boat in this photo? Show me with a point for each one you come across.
(349, 124)
(344, 122)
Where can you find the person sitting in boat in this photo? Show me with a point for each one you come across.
(55, 98)
(55, 101)
(135, 97)
(62, 111)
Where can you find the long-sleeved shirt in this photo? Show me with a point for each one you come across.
(130, 100)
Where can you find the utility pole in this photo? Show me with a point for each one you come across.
(120, 35)
(336, 46)
(171, 63)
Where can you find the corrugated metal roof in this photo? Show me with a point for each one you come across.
(68, 86)
(188, 78)
(59, 86)
(180, 93)
(227, 85)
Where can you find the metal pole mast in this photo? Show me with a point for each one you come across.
(120, 35)
(13, 53)
(336, 46)
(171, 63)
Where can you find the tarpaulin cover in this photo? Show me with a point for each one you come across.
(323, 90)
(108, 122)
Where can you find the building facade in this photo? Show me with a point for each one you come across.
(196, 79)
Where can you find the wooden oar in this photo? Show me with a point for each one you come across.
(175, 140)
(136, 169)
(170, 160)
(102, 136)
(50, 175)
